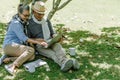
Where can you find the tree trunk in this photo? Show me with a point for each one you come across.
(56, 7)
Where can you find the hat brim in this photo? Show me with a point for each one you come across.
(40, 12)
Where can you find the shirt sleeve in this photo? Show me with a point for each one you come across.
(18, 30)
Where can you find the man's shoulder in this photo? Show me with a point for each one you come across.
(47, 20)
(31, 20)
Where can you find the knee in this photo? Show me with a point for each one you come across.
(31, 50)
(32, 58)
(57, 46)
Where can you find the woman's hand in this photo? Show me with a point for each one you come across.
(6, 60)
(44, 44)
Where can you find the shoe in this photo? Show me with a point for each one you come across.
(2, 58)
(1, 61)
(10, 69)
(67, 65)
(29, 67)
(76, 64)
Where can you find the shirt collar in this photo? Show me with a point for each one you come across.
(35, 20)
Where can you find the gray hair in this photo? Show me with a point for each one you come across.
(22, 7)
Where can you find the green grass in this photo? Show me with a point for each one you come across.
(99, 58)
(2, 33)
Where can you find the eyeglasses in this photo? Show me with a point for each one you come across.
(25, 15)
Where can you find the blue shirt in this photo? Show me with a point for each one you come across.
(15, 33)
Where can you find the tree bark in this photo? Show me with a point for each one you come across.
(56, 7)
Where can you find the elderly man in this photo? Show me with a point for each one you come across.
(39, 28)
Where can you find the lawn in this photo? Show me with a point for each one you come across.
(98, 55)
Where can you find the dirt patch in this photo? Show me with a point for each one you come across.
(77, 15)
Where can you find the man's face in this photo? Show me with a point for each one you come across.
(25, 15)
(38, 16)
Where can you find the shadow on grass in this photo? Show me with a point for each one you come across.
(98, 56)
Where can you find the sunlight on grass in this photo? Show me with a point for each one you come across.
(1, 74)
(96, 73)
(8, 77)
(82, 53)
(101, 65)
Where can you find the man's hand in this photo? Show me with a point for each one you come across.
(54, 35)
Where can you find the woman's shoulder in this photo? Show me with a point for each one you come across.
(15, 22)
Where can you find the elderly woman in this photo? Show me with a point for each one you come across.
(15, 37)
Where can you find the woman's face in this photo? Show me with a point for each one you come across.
(25, 15)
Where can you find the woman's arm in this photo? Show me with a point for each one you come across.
(37, 41)
(34, 41)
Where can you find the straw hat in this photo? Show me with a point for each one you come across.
(39, 7)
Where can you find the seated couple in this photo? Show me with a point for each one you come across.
(37, 32)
